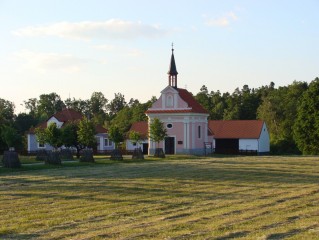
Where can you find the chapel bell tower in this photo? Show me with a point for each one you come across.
(172, 72)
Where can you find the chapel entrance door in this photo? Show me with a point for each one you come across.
(169, 145)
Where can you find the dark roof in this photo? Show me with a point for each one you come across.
(140, 127)
(172, 66)
(236, 128)
(100, 129)
(193, 105)
(67, 114)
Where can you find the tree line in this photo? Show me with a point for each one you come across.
(290, 112)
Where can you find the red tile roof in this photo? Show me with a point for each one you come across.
(140, 127)
(194, 106)
(100, 129)
(236, 128)
(67, 114)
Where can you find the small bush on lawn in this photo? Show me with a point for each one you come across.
(11, 159)
(53, 158)
(86, 156)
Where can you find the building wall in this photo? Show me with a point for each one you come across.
(33, 144)
(248, 144)
(264, 141)
(130, 146)
(185, 131)
(56, 121)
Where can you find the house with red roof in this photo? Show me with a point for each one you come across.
(231, 136)
(188, 128)
(61, 119)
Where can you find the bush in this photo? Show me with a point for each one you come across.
(116, 155)
(86, 156)
(11, 159)
(137, 154)
(41, 155)
(66, 154)
(53, 158)
(284, 147)
(159, 153)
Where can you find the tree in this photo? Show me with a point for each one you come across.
(279, 110)
(10, 136)
(49, 104)
(70, 137)
(86, 133)
(98, 106)
(24, 121)
(306, 127)
(51, 135)
(135, 137)
(117, 104)
(157, 133)
(115, 135)
(6, 112)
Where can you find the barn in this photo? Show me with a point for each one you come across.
(236, 136)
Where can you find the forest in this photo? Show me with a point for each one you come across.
(291, 113)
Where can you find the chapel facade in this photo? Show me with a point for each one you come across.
(184, 118)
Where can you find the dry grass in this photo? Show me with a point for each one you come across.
(208, 198)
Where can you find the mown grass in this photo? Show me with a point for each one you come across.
(207, 198)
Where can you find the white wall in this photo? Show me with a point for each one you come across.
(264, 141)
(248, 144)
(130, 146)
(56, 121)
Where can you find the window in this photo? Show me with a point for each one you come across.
(41, 145)
(198, 131)
(169, 101)
(107, 142)
(169, 125)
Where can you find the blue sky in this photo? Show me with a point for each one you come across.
(76, 47)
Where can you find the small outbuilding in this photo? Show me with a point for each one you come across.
(235, 136)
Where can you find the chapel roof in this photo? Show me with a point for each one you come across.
(186, 96)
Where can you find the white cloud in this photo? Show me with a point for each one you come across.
(43, 62)
(105, 47)
(113, 28)
(222, 21)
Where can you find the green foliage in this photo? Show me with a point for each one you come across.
(306, 127)
(157, 130)
(40, 134)
(10, 136)
(49, 104)
(24, 121)
(54, 136)
(86, 133)
(117, 104)
(279, 110)
(6, 112)
(135, 137)
(115, 135)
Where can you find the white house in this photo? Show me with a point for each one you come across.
(60, 119)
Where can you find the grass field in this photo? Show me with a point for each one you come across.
(208, 198)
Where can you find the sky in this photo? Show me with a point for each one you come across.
(77, 47)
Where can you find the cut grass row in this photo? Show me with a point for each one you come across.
(208, 198)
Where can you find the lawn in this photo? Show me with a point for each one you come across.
(207, 198)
